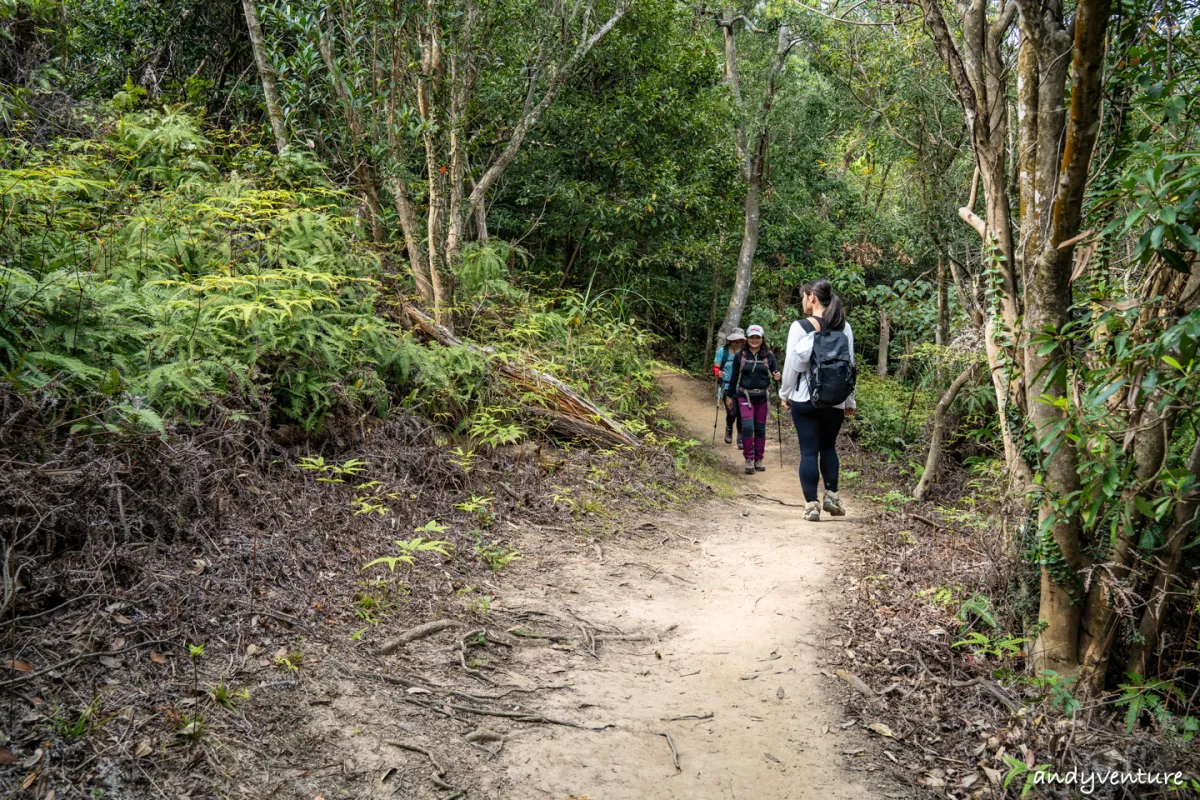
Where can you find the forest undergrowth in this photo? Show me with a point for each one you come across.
(930, 637)
(228, 467)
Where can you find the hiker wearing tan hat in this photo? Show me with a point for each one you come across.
(723, 364)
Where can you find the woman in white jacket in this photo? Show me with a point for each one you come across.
(816, 428)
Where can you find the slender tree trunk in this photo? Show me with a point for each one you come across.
(942, 332)
(481, 228)
(411, 228)
(902, 370)
(753, 163)
(938, 432)
(1098, 626)
(266, 74)
(364, 171)
(885, 341)
(741, 283)
(1187, 511)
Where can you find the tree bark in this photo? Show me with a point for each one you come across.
(1098, 625)
(942, 331)
(1187, 510)
(1048, 299)
(885, 341)
(938, 432)
(266, 74)
(410, 227)
(752, 215)
(753, 164)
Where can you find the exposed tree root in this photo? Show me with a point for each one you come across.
(439, 772)
(674, 752)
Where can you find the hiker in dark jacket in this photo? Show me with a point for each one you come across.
(816, 428)
(754, 369)
(723, 361)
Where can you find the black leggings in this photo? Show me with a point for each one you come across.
(731, 416)
(817, 429)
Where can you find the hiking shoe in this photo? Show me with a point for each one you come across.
(728, 436)
(812, 511)
(739, 441)
(833, 505)
(758, 465)
(749, 466)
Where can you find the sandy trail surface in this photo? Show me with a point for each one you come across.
(736, 684)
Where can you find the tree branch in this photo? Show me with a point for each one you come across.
(845, 21)
(493, 173)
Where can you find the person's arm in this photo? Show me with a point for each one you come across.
(803, 350)
(719, 360)
(791, 372)
(851, 403)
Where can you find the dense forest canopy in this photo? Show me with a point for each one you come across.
(212, 209)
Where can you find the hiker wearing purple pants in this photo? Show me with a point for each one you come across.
(754, 368)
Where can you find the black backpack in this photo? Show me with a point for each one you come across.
(831, 373)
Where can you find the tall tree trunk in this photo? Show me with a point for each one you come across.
(885, 341)
(979, 79)
(753, 164)
(1058, 195)
(752, 213)
(938, 432)
(266, 74)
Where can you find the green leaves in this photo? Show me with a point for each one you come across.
(147, 285)
(409, 550)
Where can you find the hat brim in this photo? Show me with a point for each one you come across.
(735, 337)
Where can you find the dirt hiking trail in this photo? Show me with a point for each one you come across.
(737, 684)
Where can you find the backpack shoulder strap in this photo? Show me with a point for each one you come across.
(808, 326)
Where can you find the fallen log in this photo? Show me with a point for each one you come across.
(569, 413)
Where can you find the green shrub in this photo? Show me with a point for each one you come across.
(133, 277)
(879, 421)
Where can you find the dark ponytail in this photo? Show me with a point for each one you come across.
(835, 315)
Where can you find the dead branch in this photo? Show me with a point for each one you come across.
(634, 637)
(674, 752)
(568, 412)
(986, 685)
(413, 634)
(775, 500)
(857, 684)
(68, 662)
